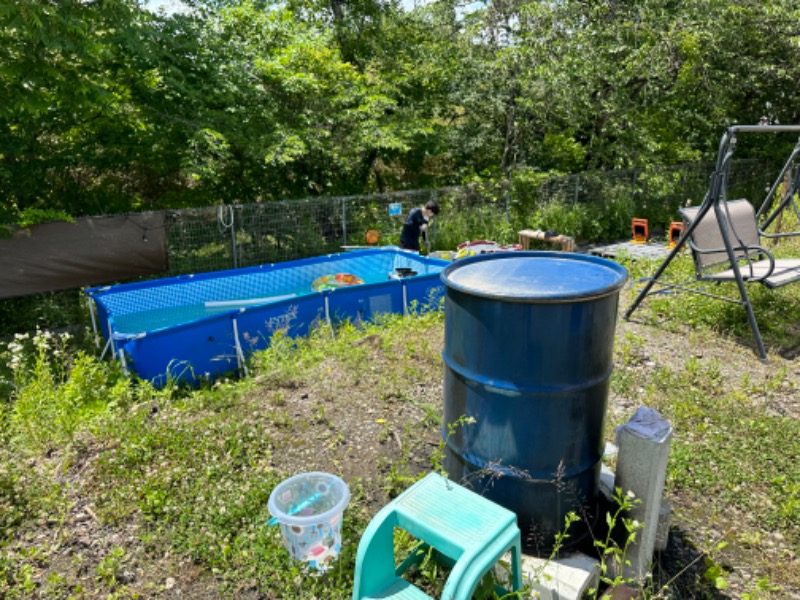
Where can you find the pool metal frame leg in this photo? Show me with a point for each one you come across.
(240, 360)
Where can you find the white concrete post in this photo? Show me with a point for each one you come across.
(642, 468)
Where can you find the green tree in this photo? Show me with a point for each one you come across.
(63, 87)
(314, 120)
(657, 82)
(107, 107)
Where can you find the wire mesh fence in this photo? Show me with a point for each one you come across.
(660, 185)
(231, 236)
(591, 207)
(224, 237)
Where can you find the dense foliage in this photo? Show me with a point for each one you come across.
(108, 107)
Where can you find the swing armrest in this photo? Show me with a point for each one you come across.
(764, 252)
(747, 252)
(773, 236)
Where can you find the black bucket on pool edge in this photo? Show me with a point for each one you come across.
(528, 355)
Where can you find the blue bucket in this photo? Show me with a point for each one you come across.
(528, 355)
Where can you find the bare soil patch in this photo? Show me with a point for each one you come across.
(372, 415)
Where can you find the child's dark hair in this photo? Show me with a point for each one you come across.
(433, 206)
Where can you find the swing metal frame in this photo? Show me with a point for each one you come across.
(738, 227)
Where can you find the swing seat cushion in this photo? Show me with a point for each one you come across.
(787, 270)
(711, 257)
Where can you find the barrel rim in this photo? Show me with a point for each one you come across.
(608, 290)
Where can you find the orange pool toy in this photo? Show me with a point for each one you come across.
(334, 281)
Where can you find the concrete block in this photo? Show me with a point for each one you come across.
(566, 578)
(662, 531)
(606, 483)
(642, 469)
(610, 450)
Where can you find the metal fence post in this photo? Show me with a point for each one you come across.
(435, 197)
(233, 238)
(344, 221)
(228, 224)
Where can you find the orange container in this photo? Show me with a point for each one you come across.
(675, 230)
(640, 231)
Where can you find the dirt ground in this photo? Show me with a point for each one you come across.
(377, 426)
(363, 437)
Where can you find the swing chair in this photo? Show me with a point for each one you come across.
(725, 236)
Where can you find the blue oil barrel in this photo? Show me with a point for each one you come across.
(528, 355)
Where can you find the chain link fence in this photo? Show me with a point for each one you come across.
(232, 236)
(591, 207)
(224, 237)
(661, 186)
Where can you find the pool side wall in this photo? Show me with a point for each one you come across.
(206, 348)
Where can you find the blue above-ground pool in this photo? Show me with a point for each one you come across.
(194, 327)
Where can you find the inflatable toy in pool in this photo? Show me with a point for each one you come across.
(335, 280)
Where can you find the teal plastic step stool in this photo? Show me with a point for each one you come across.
(468, 529)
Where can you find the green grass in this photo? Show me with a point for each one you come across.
(179, 479)
(190, 469)
(734, 457)
(45, 310)
(728, 448)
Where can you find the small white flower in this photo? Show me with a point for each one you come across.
(631, 495)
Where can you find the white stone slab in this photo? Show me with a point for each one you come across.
(568, 578)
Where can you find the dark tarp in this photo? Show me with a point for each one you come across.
(91, 251)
